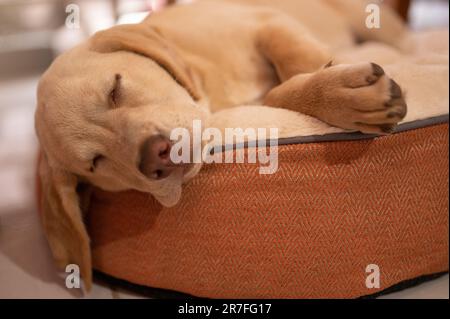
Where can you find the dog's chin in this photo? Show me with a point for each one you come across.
(168, 191)
(170, 200)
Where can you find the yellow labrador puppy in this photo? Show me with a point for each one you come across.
(106, 108)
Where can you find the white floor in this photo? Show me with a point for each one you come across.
(26, 269)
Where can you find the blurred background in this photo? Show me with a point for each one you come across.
(32, 34)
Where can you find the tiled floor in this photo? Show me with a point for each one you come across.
(26, 268)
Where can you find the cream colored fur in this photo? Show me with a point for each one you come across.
(423, 73)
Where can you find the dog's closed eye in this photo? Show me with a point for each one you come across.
(114, 95)
(95, 161)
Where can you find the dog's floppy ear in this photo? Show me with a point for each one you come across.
(147, 41)
(62, 219)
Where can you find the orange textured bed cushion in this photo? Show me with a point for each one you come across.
(308, 231)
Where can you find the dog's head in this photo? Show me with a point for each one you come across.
(104, 116)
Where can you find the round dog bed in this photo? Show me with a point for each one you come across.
(337, 204)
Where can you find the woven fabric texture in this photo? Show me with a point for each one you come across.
(308, 231)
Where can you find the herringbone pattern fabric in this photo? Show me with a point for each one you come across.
(308, 231)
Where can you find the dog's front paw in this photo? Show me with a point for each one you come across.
(359, 97)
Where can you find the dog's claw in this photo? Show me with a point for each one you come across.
(396, 90)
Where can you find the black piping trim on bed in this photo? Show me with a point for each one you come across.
(338, 137)
(157, 293)
(406, 284)
(360, 136)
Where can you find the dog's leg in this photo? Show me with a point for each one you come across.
(290, 48)
(356, 97)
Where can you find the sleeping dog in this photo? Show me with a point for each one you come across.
(106, 108)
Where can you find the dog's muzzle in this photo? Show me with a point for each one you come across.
(155, 162)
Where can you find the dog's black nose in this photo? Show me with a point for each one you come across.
(155, 162)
